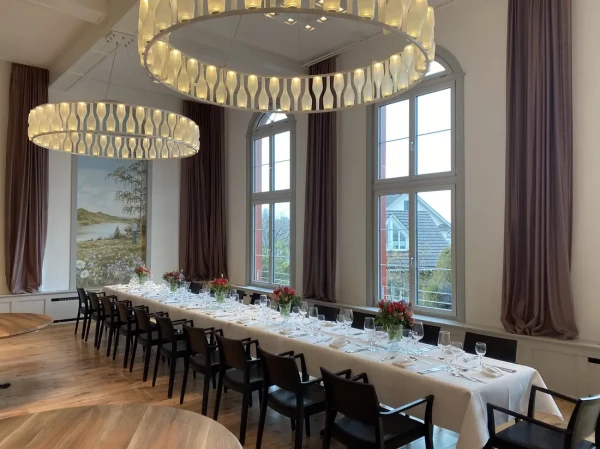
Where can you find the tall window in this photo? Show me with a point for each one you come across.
(418, 190)
(272, 200)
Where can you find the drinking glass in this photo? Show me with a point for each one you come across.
(406, 338)
(480, 350)
(303, 311)
(348, 318)
(313, 315)
(457, 350)
(418, 334)
(295, 313)
(444, 342)
(340, 320)
(320, 321)
(379, 335)
(370, 330)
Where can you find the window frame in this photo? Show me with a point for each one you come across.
(453, 180)
(255, 132)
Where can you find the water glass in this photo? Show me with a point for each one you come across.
(320, 321)
(313, 316)
(295, 315)
(348, 319)
(480, 350)
(303, 311)
(406, 338)
(445, 342)
(418, 334)
(457, 350)
(340, 320)
(370, 330)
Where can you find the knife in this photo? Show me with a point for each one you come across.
(352, 351)
(432, 370)
(508, 370)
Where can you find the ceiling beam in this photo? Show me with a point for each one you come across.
(92, 11)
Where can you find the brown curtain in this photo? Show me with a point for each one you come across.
(202, 225)
(320, 221)
(26, 184)
(537, 298)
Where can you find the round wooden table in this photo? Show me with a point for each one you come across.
(127, 426)
(12, 324)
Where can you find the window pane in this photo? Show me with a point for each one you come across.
(435, 67)
(281, 244)
(434, 254)
(394, 121)
(271, 117)
(282, 161)
(434, 112)
(393, 246)
(261, 165)
(394, 159)
(261, 243)
(434, 152)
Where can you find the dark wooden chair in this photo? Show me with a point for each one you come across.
(126, 326)
(109, 320)
(359, 319)
(171, 345)
(529, 433)
(330, 313)
(96, 314)
(203, 357)
(146, 335)
(195, 287)
(497, 348)
(366, 424)
(431, 334)
(254, 297)
(241, 293)
(238, 372)
(84, 311)
(296, 396)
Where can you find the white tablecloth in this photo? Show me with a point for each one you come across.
(459, 405)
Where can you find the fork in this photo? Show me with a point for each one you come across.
(392, 357)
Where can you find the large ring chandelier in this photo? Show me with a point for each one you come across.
(113, 130)
(201, 81)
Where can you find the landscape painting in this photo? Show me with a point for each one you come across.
(111, 220)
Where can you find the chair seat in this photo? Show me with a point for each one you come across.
(199, 361)
(393, 426)
(529, 436)
(123, 328)
(236, 377)
(314, 399)
(180, 347)
(143, 338)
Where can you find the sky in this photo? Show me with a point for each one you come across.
(94, 192)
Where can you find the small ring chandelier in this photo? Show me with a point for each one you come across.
(113, 130)
(200, 81)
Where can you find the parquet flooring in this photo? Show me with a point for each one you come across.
(53, 369)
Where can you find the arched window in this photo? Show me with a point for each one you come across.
(271, 206)
(418, 186)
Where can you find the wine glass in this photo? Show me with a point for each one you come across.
(295, 312)
(444, 342)
(480, 350)
(348, 318)
(320, 321)
(303, 311)
(340, 321)
(379, 335)
(417, 335)
(457, 350)
(313, 315)
(369, 327)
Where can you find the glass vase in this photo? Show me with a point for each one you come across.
(220, 297)
(394, 332)
(284, 310)
(173, 286)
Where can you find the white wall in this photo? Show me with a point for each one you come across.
(164, 192)
(5, 68)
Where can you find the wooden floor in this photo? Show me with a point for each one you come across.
(53, 369)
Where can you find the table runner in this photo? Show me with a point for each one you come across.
(459, 405)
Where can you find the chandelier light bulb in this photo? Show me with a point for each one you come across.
(349, 92)
(317, 88)
(241, 99)
(185, 10)
(368, 90)
(252, 88)
(211, 79)
(338, 85)
(359, 82)
(284, 101)
(163, 16)
(366, 8)
(263, 99)
(378, 78)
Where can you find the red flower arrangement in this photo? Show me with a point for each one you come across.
(220, 285)
(285, 296)
(395, 313)
(173, 277)
(142, 273)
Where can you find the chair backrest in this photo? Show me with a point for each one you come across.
(241, 293)
(430, 334)
(123, 312)
(254, 297)
(83, 299)
(497, 348)
(281, 371)
(195, 287)
(107, 308)
(197, 343)
(584, 420)
(94, 302)
(354, 399)
(359, 319)
(166, 331)
(330, 313)
(232, 353)
(142, 320)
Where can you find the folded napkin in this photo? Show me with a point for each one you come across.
(328, 324)
(405, 363)
(287, 331)
(490, 371)
(338, 343)
(243, 320)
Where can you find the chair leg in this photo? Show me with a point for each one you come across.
(205, 391)
(261, 422)
(156, 365)
(244, 421)
(117, 338)
(86, 323)
(110, 332)
(429, 438)
(299, 423)
(128, 339)
(307, 425)
(327, 433)
(87, 332)
(186, 367)
(293, 423)
(99, 332)
(218, 399)
(77, 322)
(133, 353)
(172, 376)
(147, 353)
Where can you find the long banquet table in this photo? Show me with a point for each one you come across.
(459, 405)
